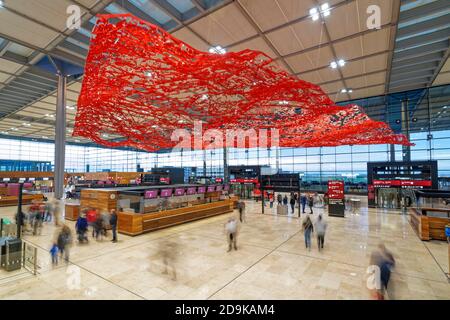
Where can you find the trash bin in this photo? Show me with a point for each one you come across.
(11, 253)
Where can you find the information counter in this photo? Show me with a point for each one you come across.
(429, 223)
(6, 201)
(72, 211)
(134, 223)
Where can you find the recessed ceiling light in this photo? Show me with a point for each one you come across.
(70, 107)
(350, 90)
(341, 62)
(5, 132)
(333, 64)
(314, 14)
(77, 140)
(26, 124)
(325, 8)
(283, 102)
(15, 129)
(344, 91)
(44, 137)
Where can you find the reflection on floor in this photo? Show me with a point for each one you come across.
(271, 262)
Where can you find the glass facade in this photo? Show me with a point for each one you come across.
(421, 114)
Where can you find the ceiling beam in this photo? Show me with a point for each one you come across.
(347, 61)
(425, 39)
(262, 35)
(424, 10)
(421, 51)
(439, 67)
(199, 5)
(4, 46)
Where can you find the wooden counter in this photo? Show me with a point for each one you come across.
(428, 227)
(72, 211)
(6, 201)
(135, 223)
(102, 200)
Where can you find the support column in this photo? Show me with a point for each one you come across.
(392, 152)
(60, 137)
(226, 178)
(405, 129)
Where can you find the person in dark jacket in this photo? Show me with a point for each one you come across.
(308, 229)
(113, 223)
(279, 199)
(303, 201)
(285, 200)
(81, 227)
(292, 202)
(98, 227)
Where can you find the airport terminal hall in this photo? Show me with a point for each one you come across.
(244, 151)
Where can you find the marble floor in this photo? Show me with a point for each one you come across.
(191, 261)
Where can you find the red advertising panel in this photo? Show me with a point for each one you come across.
(164, 180)
(335, 189)
(240, 180)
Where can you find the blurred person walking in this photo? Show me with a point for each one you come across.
(113, 223)
(385, 261)
(81, 226)
(308, 229)
(231, 230)
(91, 216)
(310, 203)
(98, 227)
(285, 200)
(241, 207)
(54, 254)
(64, 241)
(303, 201)
(279, 199)
(48, 211)
(321, 227)
(292, 203)
(169, 252)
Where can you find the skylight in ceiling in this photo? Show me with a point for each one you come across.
(182, 6)
(115, 9)
(151, 10)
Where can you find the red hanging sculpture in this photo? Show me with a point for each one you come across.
(141, 84)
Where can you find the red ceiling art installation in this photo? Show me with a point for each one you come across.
(141, 84)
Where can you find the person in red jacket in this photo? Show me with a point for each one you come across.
(91, 216)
